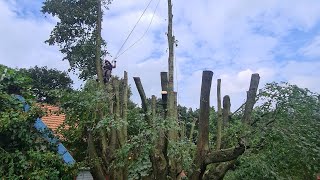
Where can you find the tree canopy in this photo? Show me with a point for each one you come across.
(45, 82)
(75, 33)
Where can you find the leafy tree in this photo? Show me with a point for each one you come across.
(24, 153)
(46, 81)
(76, 33)
(287, 136)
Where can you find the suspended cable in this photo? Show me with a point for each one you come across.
(116, 56)
(154, 12)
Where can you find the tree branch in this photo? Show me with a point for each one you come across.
(225, 154)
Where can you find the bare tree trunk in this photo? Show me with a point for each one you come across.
(124, 115)
(141, 93)
(226, 110)
(203, 139)
(219, 123)
(172, 135)
(125, 105)
(120, 135)
(98, 44)
(153, 107)
(251, 95)
(143, 98)
(171, 41)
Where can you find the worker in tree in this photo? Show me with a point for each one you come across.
(107, 70)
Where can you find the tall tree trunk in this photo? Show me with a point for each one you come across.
(160, 169)
(219, 123)
(203, 139)
(98, 44)
(251, 95)
(171, 41)
(124, 115)
(113, 134)
(120, 139)
(172, 134)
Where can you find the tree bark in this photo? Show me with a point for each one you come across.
(124, 115)
(220, 171)
(125, 105)
(98, 171)
(226, 110)
(164, 94)
(219, 123)
(160, 169)
(251, 95)
(98, 45)
(171, 41)
(118, 139)
(141, 93)
(153, 107)
(203, 139)
(224, 155)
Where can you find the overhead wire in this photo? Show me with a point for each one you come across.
(119, 53)
(154, 12)
(116, 56)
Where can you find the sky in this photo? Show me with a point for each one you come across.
(280, 40)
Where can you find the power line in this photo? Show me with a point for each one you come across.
(116, 56)
(154, 12)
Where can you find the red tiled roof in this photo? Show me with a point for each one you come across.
(53, 118)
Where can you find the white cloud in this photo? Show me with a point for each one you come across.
(234, 39)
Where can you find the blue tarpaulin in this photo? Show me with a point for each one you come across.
(48, 135)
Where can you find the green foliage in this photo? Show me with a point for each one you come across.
(75, 33)
(13, 82)
(82, 114)
(285, 138)
(24, 153)
(45, 82)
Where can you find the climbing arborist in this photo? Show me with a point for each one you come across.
(107, 69)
